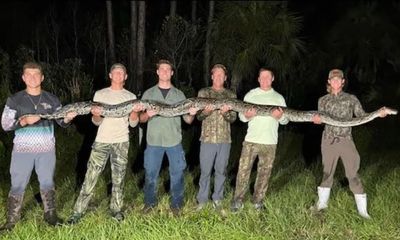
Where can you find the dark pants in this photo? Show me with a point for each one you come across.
(332, 150)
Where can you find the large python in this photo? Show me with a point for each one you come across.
(165, 110)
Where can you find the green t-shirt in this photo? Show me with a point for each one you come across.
(164, 131)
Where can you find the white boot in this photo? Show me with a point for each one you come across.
(323, 197)
(361, 201)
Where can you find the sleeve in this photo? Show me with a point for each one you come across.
(146, 95)
(320, 105)
(201, 115)
(9, 117)
(230, 116)
(358, 109)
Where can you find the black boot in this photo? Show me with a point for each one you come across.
(49, 205)
(14, 206)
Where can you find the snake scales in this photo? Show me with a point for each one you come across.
(124, 109)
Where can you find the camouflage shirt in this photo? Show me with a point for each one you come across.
(216, 127)
(342, 105)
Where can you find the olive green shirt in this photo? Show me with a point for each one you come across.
(342, 105)
(164, 131)
(216, 127)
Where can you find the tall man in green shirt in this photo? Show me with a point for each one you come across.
(164, 135)
(261, 140)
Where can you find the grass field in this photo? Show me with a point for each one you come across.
(292, 190)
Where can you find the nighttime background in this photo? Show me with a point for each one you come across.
(301, 41)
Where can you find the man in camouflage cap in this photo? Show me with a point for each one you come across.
(112, 141)
(337, 142)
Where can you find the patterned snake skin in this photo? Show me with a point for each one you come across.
(124, 109)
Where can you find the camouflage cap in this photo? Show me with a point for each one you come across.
(335, 73)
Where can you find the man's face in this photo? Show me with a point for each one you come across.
(218, 77)
(265, 79)
(32, 77)
(118, 75)
(165, 72)
(336, 83)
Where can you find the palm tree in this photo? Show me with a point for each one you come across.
(250, 34)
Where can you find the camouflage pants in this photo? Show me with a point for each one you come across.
(118, 153)
(266, 157)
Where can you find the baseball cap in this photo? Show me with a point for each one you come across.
(335, 73)
(118, 65)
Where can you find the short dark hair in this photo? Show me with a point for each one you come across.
(33, 65)
(262, 69)
(164, 61)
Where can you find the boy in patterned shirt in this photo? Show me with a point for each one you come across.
(34, 144)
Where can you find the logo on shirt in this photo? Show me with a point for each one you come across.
(46, 105)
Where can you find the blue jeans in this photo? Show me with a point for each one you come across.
(153, 156)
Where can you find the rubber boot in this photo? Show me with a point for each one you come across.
(49, 205)
(14, 206)
(361, 201)
(323, 198)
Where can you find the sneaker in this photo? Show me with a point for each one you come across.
(236, 206)
(147, 209)
(176, 212)
(201, 206)
(119, 216)
(217, 204)
(259, 206)
(75, 218)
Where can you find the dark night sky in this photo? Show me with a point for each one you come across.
(17, 18)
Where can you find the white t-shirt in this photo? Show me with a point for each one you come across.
(114, 130)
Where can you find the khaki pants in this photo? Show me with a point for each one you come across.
(332, 150)
(266, 157)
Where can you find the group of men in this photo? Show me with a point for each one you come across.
(34, 142)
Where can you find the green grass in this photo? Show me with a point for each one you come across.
(292, 190)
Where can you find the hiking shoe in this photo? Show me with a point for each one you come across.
(147, 209)
(217, 205)
(201, 206)
(119, 216)
(259, 206)
(74, 219)
(236, 206)
(176, 212)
